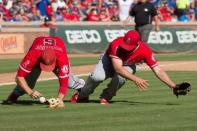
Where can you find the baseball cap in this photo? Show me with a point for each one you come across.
(131, 40)
(48, 60)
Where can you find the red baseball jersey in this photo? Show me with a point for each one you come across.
(141, 53)
(32, 59)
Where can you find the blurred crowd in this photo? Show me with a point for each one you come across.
(92, 10)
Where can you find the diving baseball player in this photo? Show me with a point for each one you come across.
(46, 54)
(119, 63)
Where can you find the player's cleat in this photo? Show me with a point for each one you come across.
(103, 101)
(12, 98)
(74, 98)
(7, 102)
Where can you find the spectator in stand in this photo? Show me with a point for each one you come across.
(93, 15)
(114, 12)
(58, 15)
(195, 9)
(41, 6)
(172, 4)
(78, 8)
(124, 7)
(81, 10)
(164, 12)
(1, 17)
(36, 16)
(155, 2)
(47, 23)
(191, 11)
(58, 4)
(70, 15)
(9, 4)
(49, 11)
(1, 12)
(182, 6)
(104, 15)
(21, 16)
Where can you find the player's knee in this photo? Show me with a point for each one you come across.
(121, 79)
(97, 77)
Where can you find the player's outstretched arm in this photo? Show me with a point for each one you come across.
(119, 68)
(23, 85)
(163, 76)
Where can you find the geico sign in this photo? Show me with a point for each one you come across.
(82, 36)
(161, 37)
(186, 36)
(113, 34)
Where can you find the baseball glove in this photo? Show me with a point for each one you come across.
(182, 89)
(55, 103)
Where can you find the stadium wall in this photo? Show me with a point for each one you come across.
(93, 37)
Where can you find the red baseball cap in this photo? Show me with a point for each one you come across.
(131, 40)
(48, 60)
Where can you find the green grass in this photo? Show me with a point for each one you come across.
(11, 65)
(176, 57)
(155, 109)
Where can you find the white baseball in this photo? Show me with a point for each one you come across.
(42, 99)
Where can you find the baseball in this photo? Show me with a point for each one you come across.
(42, 99)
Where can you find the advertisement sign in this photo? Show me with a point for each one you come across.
(11, 43)
(96, 38)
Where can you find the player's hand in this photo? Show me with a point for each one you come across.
(61, 104)
(35, 95)
(141, 84)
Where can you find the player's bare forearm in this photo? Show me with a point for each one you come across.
(163, 76)
(117, 63)
(23, 85)
(119, 68)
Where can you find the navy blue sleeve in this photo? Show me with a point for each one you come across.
(153, 10)
(132, 11)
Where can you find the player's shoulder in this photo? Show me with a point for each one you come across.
(117, 40)
(144, 46)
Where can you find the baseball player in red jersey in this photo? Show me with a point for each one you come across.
(46, 54)
(119, 63)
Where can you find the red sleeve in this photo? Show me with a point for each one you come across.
(63, 78)
(63, 70)
(150, 60)
(112, 49)
(27, 64)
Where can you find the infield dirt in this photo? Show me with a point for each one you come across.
(166, 65)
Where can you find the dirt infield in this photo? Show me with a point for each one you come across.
(166, 65)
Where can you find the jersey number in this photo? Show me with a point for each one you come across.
(49, 42)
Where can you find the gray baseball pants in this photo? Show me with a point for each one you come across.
(73, 83)
(104, 70)
(144, 31)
